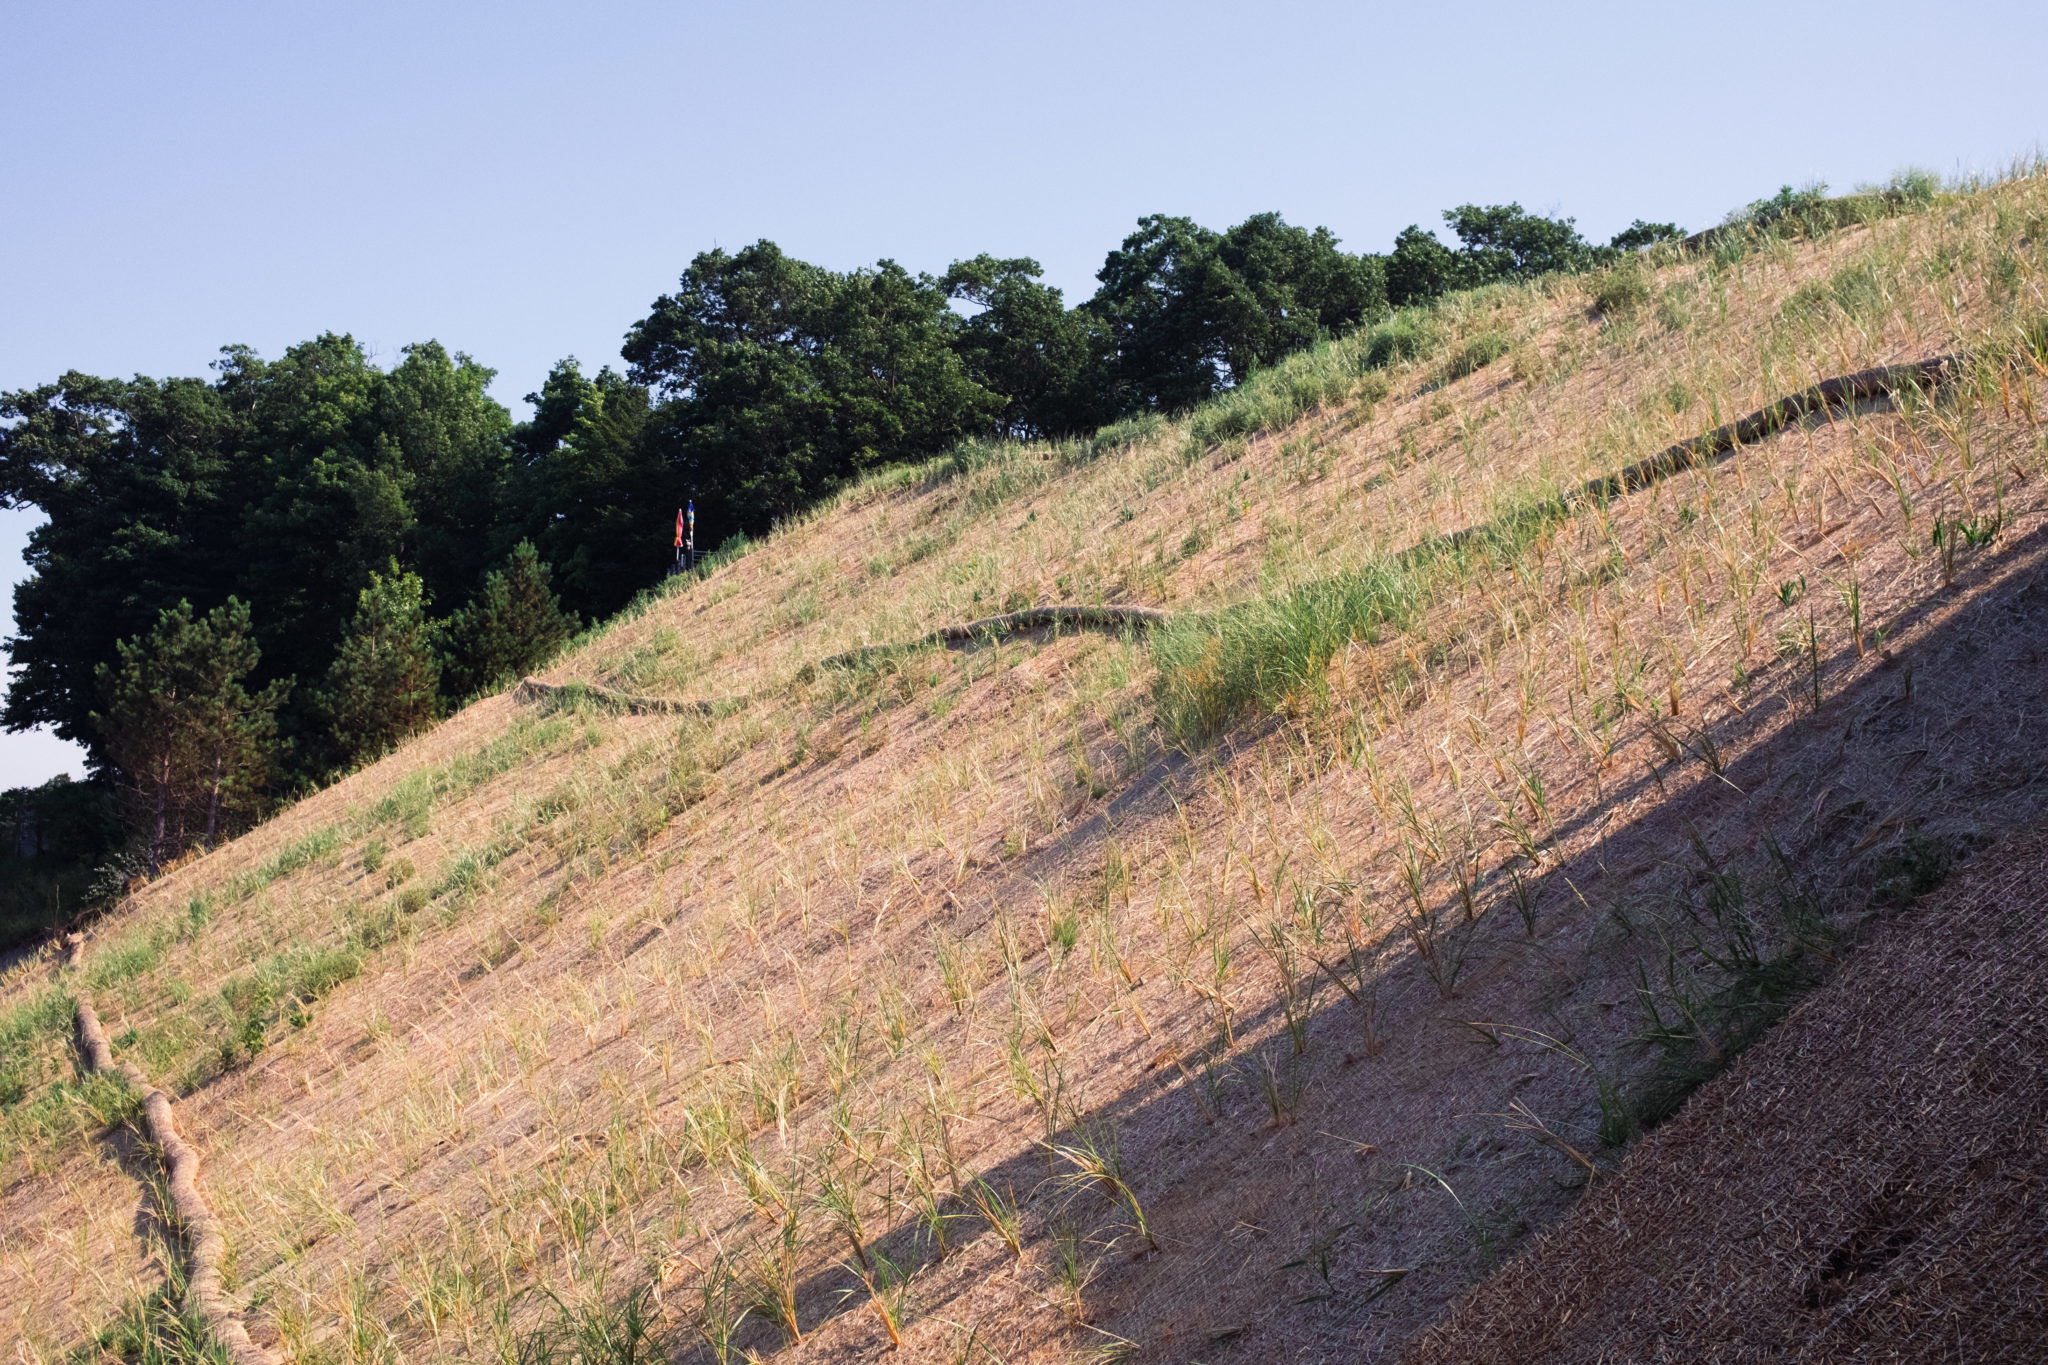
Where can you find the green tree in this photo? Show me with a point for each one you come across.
(384, 683)
(1420, 267)
(1504, 242)
(1496, 242)
(778, 380)
(191, 742)
(1287, 288)
(454, 442)
(1164, 357)
(513, 626)
(336, 502)
(595, 493)
(1192, 311)
(142, 483)
(1046, 361)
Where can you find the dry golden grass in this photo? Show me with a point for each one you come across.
(737, 1007)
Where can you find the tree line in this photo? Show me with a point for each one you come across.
(251, 581)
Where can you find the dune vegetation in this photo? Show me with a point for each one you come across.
(1239, 986)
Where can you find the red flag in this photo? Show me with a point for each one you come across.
(679, 528)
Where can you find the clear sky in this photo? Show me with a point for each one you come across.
(521, 180)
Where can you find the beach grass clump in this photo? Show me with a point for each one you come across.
(1266, 652)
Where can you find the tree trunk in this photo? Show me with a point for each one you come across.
(163, 802)
(213, 800)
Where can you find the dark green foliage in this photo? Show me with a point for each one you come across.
(1503, 242)
(1804, 209)
(781, 380)
(361, 467)
(192, 743)
(284, 483)
(762, 384)
(1639, 234)
(594, 492)
(1048, 363)
(1497, 242)
(64, 819)
(143, 483)
(1192, 311)
(384, 683)
(1809, 212)
(52, 840)
(512, 627)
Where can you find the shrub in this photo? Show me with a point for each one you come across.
(1801, 208)
(1410, 335)
(1639, 236)
(384, 684)
(1475, 355)
(1913, 185)
(1623, 289)
(465, 878)
(1130, 431)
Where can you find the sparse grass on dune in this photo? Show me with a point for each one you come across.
(914, 998)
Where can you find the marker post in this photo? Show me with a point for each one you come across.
(686, 539)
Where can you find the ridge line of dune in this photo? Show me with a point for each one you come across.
(205, 1245)
(988, 627)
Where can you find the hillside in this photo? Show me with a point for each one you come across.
(1237, 989)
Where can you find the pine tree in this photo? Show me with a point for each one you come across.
(513, 626)
(385, 682)
(191, 742)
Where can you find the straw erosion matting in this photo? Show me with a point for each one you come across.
(1870, 1183)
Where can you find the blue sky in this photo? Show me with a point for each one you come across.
(520, 181)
